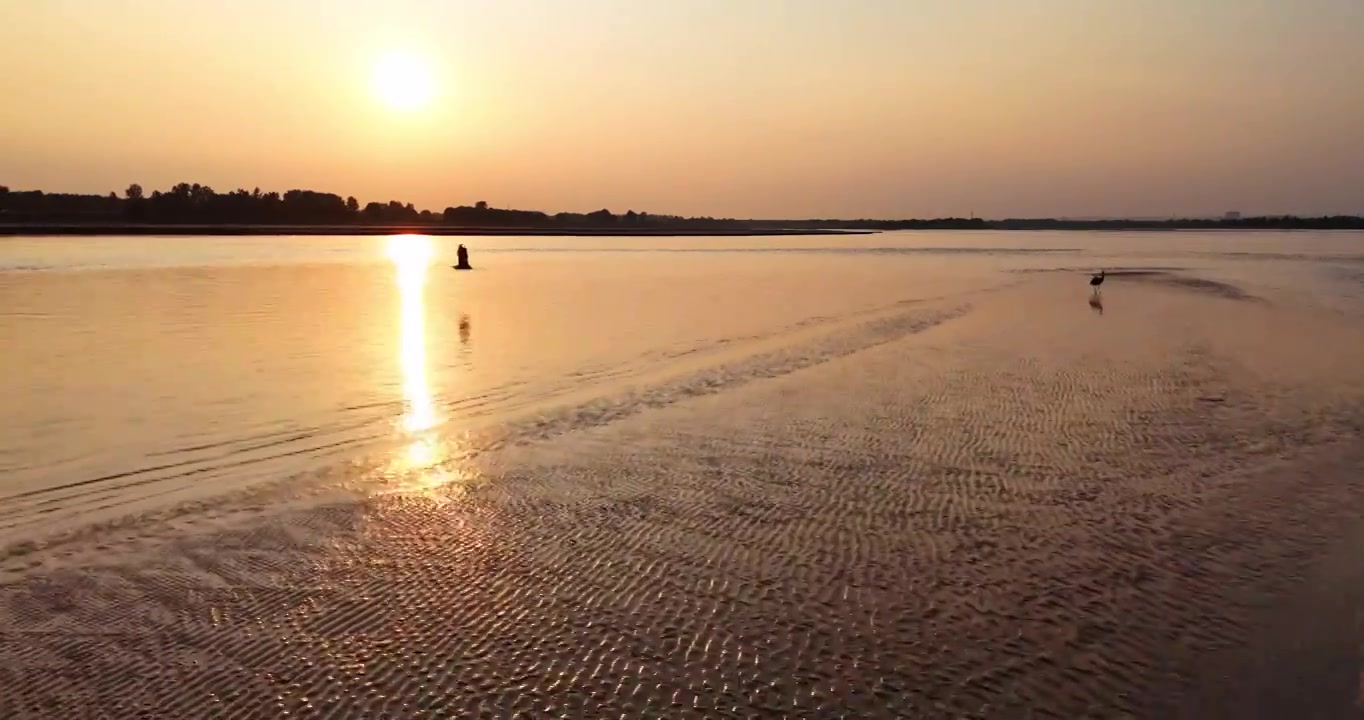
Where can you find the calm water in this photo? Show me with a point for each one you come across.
(143, 371)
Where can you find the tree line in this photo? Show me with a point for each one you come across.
(192, 203)
(195, 204)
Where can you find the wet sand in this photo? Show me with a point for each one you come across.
(1011, 503)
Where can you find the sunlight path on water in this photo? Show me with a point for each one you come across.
(424, 465)
(412, 255)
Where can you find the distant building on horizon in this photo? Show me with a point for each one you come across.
(1232, 215)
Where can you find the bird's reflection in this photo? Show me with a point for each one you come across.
(464, 330)
(1096, 303)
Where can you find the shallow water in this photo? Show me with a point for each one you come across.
(144, 371)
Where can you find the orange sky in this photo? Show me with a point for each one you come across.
(759, 108)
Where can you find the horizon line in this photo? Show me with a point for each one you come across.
(257, 192)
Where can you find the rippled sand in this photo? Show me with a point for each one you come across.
(1011, 503)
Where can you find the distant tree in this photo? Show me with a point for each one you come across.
(481, 205)
(134, 192)
(601, 216)
(201, 194)
(352, 205)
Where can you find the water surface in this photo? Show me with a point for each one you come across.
(143, 371)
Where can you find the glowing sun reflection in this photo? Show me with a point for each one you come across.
(429, 464)
(412, 255)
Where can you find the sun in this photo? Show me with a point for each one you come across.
(402, 81)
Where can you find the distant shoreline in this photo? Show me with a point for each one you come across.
(760, 228)
(195, 209)
(93, 229)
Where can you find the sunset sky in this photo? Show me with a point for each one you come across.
(750, 108)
